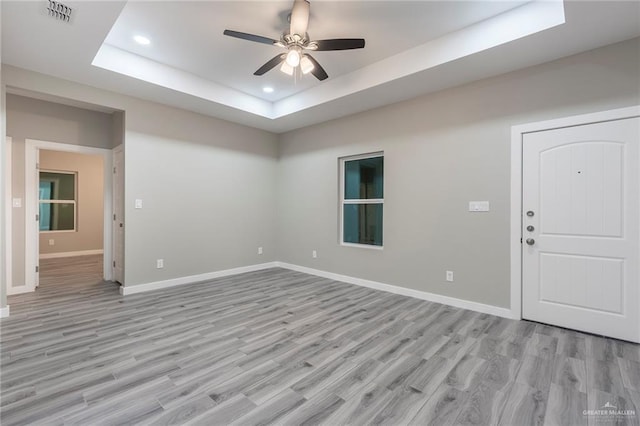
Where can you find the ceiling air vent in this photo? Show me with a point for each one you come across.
(59, 11)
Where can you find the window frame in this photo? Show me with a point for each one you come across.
(74, 201)
(343, 200)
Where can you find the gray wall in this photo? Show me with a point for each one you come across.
(211, 189)
(29, 118)
(208, 189)
(207, 185)
(441, 151)
(89, 204)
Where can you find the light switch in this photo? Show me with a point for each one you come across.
(478, 206)
(138, 203)
(17, 202)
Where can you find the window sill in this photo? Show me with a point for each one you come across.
(364, 246)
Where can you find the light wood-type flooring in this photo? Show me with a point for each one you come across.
(282, 347)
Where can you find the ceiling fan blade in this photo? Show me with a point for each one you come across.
(339, 44)
(250, 37)
(317, 70)
(299, 17)
(273, 62)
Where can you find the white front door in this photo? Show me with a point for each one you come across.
(581, 228)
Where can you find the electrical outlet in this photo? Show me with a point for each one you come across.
(449, 276)
(259, 250)
(314, 254)
(160, 263)
(52, 242)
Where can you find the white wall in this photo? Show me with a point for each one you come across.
(441, 151)
(88, 235)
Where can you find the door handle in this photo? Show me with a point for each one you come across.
(531, 241)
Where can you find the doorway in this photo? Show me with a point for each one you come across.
(37, 209)
(70, 217)
(579, 223)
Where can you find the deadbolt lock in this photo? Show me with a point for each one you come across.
(530, 228)
(530, 213)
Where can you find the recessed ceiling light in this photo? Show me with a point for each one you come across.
(267, 89)
(142, 40)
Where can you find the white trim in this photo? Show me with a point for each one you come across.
(31, 148)
(364, 246)
(517, 133)
(343, 201)
(423, 295)
(114, 228)
(56, 201)
(4, 312)
(8, 230)
(192, 279)
(70, 254)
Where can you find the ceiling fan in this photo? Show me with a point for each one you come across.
(297, 43)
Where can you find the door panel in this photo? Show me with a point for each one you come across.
(585, 281)
(581, 189)
(580, 258)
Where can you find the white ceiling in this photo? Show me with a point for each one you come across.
(389, 28)
(412, 47)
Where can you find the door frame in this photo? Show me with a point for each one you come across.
(517, 137)
(8, 199)
(118, 150)
(32, 146)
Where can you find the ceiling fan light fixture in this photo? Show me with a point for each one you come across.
(306, 65)
(293, 58)
(286, 68)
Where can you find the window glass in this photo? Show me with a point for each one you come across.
(57, 216)
(362, 199)
(57, 186)
(363, 179)
(57, 194)
(363, 224)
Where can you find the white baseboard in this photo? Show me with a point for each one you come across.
(431, 297)
(4, 312)
(192, 279)
(71, 254)
(423, 295)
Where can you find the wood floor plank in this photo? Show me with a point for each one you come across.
(184, 412)
(483, 405)
(224, 413)
(565, 406)
(525, 406)
(273, 410)
(570, 373)
(441, 409)
(314, 412)
(361, 407)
